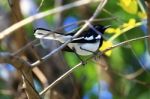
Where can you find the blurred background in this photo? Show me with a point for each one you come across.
(121, 73)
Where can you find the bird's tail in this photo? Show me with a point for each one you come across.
(47, 34)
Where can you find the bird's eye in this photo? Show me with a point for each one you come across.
(96, 26)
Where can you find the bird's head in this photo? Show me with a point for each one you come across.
(101, 28)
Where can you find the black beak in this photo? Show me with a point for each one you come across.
(107, 27)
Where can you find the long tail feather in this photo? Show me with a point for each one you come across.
(47, 34)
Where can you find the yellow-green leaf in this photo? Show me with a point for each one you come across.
(129, 6)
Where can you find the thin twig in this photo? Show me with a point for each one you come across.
(35, 53)
(121, 20)
(59, 28)
(132, 77)
(83, 21)
(30, 19)
(25, 47)
(58, 16)
(99, 8)
(79, 64)
(60, 78)
(126, 42)
(24, 68)
(40, 5)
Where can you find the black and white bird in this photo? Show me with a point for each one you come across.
(88, 42)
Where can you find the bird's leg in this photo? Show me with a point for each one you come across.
(83, 62)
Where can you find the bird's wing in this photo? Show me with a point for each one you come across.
(84, 37)
(83, 40)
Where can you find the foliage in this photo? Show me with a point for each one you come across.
(122, 77)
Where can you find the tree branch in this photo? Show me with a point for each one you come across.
(24, 68)
(28, 20)
(99, 8)
(79, 64)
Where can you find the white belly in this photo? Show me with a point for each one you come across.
(88, 46)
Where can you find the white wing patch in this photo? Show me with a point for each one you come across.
(79, 38)
(98, 37)
(89, 38)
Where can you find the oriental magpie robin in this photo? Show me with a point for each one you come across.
(88, 42)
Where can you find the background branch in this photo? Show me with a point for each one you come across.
(79, 64)
(28, 20)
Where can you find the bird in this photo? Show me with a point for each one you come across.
(86, 43)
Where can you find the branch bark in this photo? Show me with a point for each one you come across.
(148, 22)
(24, 68)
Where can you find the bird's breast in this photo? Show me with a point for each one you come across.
(84, 49)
